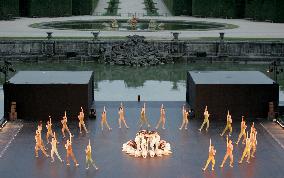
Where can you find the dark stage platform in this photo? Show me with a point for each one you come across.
(190, 150)
(39, 94)
(244, 93)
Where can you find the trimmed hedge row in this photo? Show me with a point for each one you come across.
(214, 8)
(50, 8)
(83, 7)
(179, 7)
(9, 7)
(265, 10)
(257, 9)
(46, 8)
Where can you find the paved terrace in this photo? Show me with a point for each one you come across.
(247, 29)
(190, 149)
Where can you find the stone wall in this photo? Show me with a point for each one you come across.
(113, 51)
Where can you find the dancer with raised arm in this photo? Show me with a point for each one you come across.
(243, 131)
(81, 121)
(69, 152)
(54, 143)
(211, 157)
(121, 116)
(143, 117)
(104, 120)
(162, 117)
(228, 125)
(206, 120)
(89, 160)
(229, 153)
(64, 125)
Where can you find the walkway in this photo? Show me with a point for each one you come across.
(131, 6)
(101, 7)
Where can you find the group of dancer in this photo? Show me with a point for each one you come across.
(249, 140)
(39, 145)
(145, 139)
(147, 143)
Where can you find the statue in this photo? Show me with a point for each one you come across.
(114, 23)
(184, 118)
(133, 22)
(64, 125)
(162, 117)
(228, 125)
(243, 131)
(54, 143)
(49, 129)
(152, 24)
(143, 117)
(211, 157)
(89, 159)
(229, 153)
(69, 152)
(104, 120)
(206, 120)
(81, 121)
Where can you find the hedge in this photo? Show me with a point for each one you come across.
(179, 7)
(265, 10)
(9, 7)
(50, 8)
(215, 8)
(83, 7)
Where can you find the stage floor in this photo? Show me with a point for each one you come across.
(190, 150)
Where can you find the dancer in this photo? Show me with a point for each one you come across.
(121, 116)
(49, 130)
(211, 157)
(253, 143)
(246, 152)
(104, 120)
(64, 125)
(54, 143)
(162, 118)
(228, 125)
(81, 121)
(39, 129)
(69, 152)
(206, 120)
(143, 117)
(89, 159)
(184, 118)
(243, 131)
(39, 144)
(229, 153)
(252, 129)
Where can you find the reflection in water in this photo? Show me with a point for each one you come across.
(163, 82)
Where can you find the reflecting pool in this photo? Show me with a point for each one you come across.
(154, 83)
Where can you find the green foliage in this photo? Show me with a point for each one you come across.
(150, 8)
(50, 8)
(83, 7)
(179, 7)
(215, 8)
(9, 7)
(112, 7)
(265, 10)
